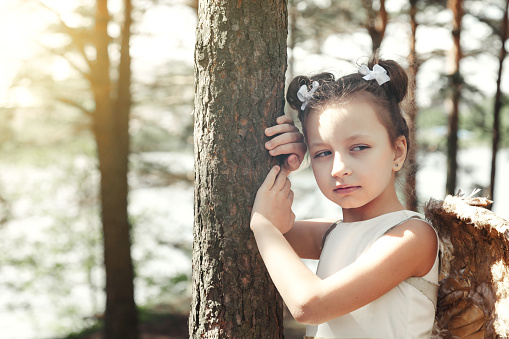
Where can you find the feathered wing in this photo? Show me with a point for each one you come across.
(473, 299)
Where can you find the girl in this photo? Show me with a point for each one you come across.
(378, 270)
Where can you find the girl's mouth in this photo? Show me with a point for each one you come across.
(345, 189)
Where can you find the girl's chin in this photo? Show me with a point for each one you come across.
(348, 205)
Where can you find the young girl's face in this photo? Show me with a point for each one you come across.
(352, 157)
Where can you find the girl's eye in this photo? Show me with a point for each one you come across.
(322, 154)
(359, 148)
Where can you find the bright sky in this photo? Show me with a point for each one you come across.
(25, 23)
(17, 42)
(171, 37)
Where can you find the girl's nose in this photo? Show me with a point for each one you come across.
(339, 167)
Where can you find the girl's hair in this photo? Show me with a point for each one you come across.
(385, 99)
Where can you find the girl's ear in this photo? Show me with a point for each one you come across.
(400, 151)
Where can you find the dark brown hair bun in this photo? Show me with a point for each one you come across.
(293, 88)
(398, 85)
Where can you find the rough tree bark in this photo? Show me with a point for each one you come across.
(110, 127)
(498, 100)
(292, 37)
(413, 69)
(240, 62)
(455, 56)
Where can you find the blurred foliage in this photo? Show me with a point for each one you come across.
(317, 20)
(162, 120)
(156, 318)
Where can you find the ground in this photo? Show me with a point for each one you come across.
(174, 326)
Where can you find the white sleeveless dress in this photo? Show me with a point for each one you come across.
(405, 312)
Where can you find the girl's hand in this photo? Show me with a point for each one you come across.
(288, 140)
(273, 203)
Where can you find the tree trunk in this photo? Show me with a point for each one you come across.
(377, 22)
(240, 63)
(411, 164)
(456, 7)
(292, 37)
(498, 101)
(110, 125)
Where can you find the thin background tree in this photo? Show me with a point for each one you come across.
(411, 111)
(455, 83)
(503, 34)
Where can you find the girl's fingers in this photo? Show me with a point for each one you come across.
(268, 183)
(290, 195)
(284, 119)
(286, 188)
(285, 172)
(292, 162)
(299, 149)
(280, 180)
(285, 138)
(279, 129)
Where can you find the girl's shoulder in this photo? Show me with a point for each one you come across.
(413, 222)
(417, 236)
(405, 217)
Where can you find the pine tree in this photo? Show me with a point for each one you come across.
(240, 62)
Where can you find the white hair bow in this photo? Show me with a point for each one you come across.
(378, 73)
(304, 95)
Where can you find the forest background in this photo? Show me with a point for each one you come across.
(51, 262)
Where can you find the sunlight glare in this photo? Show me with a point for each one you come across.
(66, 10)
(17, 43)
(60, 69)
(23, 97)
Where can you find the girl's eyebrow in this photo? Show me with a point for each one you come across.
(356, 137)
(350, 139)
(316, 144)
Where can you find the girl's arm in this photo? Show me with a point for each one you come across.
(305, 237)
(388, 262)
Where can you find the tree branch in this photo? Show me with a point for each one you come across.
(62, 53)
(75, 38)
(76, 105)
